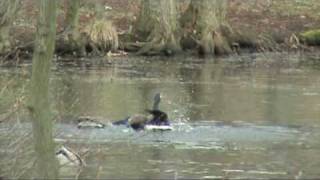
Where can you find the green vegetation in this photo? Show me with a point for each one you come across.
(311, 37)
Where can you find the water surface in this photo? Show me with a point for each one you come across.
(254, 116)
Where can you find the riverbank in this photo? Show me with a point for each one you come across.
(260, 26)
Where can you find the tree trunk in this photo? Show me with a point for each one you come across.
(8, 11)
(72, 42)
(157, 26)
(144, 24)
(72, 18)
(72, 21)
(205, 26)
(46, 165)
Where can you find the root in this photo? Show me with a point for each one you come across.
(157, 47)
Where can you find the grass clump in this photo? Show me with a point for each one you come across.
(311, 37)
(103, 36)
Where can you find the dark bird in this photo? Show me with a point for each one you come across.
(140, 121)
(159, 118)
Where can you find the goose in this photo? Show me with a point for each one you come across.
(89, 122)
(155, 120)
(159, 121)
(66, 156)
(136, 120)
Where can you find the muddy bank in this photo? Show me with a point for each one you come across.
(257, 27)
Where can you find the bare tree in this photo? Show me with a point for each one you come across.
(8, 11)
(204, 22)
(72, 22)
(72, 18)
(46, 164)
(157, 25)
(72, 41)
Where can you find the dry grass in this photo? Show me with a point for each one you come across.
(103, 35)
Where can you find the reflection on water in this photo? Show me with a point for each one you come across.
(195, 91)
(232, 118)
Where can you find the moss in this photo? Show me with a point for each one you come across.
(311, 37)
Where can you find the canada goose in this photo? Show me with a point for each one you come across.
(155, 118)
(140, 121)
(135, 121)
(159, 118)
(89, 122)
(139, 117)
(159, 121)
(66, 156)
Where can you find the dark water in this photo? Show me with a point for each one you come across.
(254, 116)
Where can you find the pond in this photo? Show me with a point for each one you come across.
(250, 116)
